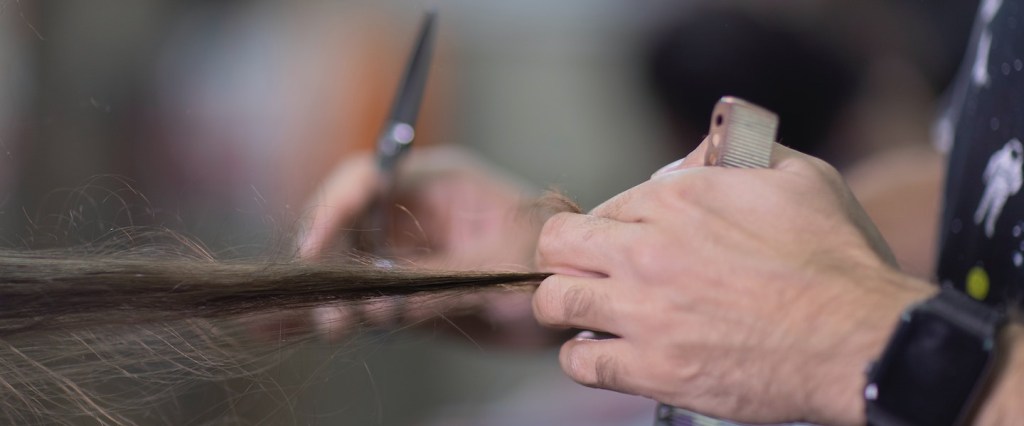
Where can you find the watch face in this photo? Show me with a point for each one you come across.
(929, 370)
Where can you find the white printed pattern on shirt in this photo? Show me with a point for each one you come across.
(1004, 176)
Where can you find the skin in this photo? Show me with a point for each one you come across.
(454, 213)
(755, 295)
(901, 190)
(755, 311)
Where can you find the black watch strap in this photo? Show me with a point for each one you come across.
(936, 365)
(962, 310)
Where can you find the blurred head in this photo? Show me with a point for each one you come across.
(710, 52)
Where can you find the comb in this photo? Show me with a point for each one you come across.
(741, 135)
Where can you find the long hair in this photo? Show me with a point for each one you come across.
(99, 333)
(41, 292)
(105, 336)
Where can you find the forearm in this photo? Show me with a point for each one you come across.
(838, 397)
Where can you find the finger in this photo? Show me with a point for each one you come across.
(616, 207)
(640, 203)
(343, 196)
(784, 157)
(606, 363)
(565, 301)
(694, 159)
(584, 243)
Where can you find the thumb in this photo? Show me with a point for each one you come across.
(345, 194)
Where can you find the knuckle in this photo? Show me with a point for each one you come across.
(555, 305)
(665, 193)
(547, 242)
(551, 233)
(593, 225)
(682, 190)
(614, 207)
(823, 169)
(557, 222)
(545, 304)
(577, 302)
(606, 372)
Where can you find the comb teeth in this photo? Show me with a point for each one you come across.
(742, 134)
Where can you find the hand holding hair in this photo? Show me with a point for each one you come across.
(757, 295)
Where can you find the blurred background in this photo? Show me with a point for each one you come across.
(218, 119)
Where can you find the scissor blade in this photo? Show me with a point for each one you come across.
(407, 101)
(397, 136)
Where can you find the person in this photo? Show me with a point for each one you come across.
(763, 295)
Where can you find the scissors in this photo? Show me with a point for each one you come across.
(396, 138)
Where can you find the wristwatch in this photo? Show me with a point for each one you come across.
(936, 363)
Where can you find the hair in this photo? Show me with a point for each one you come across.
(105, 336)
(41, 292)
(103, 332)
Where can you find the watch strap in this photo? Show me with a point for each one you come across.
(957, 310)
(960, 309)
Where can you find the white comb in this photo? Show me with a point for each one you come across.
(742, 135)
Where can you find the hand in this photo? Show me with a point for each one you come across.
(756, 295)
(453, 212)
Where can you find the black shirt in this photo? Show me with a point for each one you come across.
(982, 234)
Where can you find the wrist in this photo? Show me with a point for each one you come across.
(1001, 403)
(838, 397)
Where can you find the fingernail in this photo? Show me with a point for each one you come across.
(669, 167)
(586, 335)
